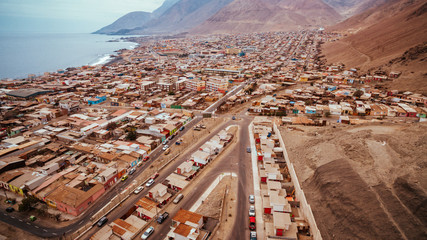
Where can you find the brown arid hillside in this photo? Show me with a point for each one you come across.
(365, 181)
(379, 37)
(348, 8)
(243, 16)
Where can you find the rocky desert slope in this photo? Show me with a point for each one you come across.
(366, 181)
(242, 16)
(391, 37)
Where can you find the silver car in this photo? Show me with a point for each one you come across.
(147, 233)
(252, 211)
(251, 199)
(149, 183)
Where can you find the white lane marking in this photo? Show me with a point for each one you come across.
(36, 226)
(45, 230)
(12, 217)
(20, 220)
(54, 234)
(28, 223)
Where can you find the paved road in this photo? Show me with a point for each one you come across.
(237, 161)
(162, 176)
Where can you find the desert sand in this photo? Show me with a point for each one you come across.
(366, 181)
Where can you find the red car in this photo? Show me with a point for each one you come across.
(145, 158)
(252, 224)
(155, 175)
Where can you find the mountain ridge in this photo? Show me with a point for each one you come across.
(242, 16)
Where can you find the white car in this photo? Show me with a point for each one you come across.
(165, 142)
(253, 235)
(165, 147)
(252, 211)
(149, 183)
(147, 233)
(138, 189)
(251, 199)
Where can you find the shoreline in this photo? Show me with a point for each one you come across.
(53, 65)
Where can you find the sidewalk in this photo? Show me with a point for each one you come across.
(257, 188)
(217, 180)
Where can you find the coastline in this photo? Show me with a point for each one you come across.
(34, 55)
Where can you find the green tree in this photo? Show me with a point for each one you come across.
(27, 203)
(358, 93)
(111, 126)
(131, 136)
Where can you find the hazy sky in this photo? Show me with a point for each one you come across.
(66, 16)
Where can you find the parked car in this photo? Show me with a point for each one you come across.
(171, 137)
(252, 224)
(202, 126)
(165, 147)
(234, 118)
(181, 128)
(138, 189)
(132, 171)
(165, 142)
(146, 158)
(149, 183)
(248, 149)
(252, 211)
(162, 217)
(251, 199)
(10, 209)
(124, 178)
(253, 235)
(196, 129)
(140, 164)
(167, 151)
(178, 198)
(147, 233)
(102, 221)
(155, 175)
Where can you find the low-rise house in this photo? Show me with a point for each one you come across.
(410, 112)
(200, 158)
(127, 229)
(187, 169)
(176, 182)
(160, 194)
(72, 200)
(282, 222)
(146, 208)
(186, 225)
(108, 177)
(335, 109)
(310, 110)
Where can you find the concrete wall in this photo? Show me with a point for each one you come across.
(299, 193)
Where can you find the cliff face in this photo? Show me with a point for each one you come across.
(242, 16)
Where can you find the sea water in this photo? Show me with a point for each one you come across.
(35, 53)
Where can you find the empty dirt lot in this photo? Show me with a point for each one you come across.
(366, 181)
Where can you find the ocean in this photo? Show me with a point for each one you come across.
(35, 53)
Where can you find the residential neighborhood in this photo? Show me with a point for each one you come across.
(76, 144)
